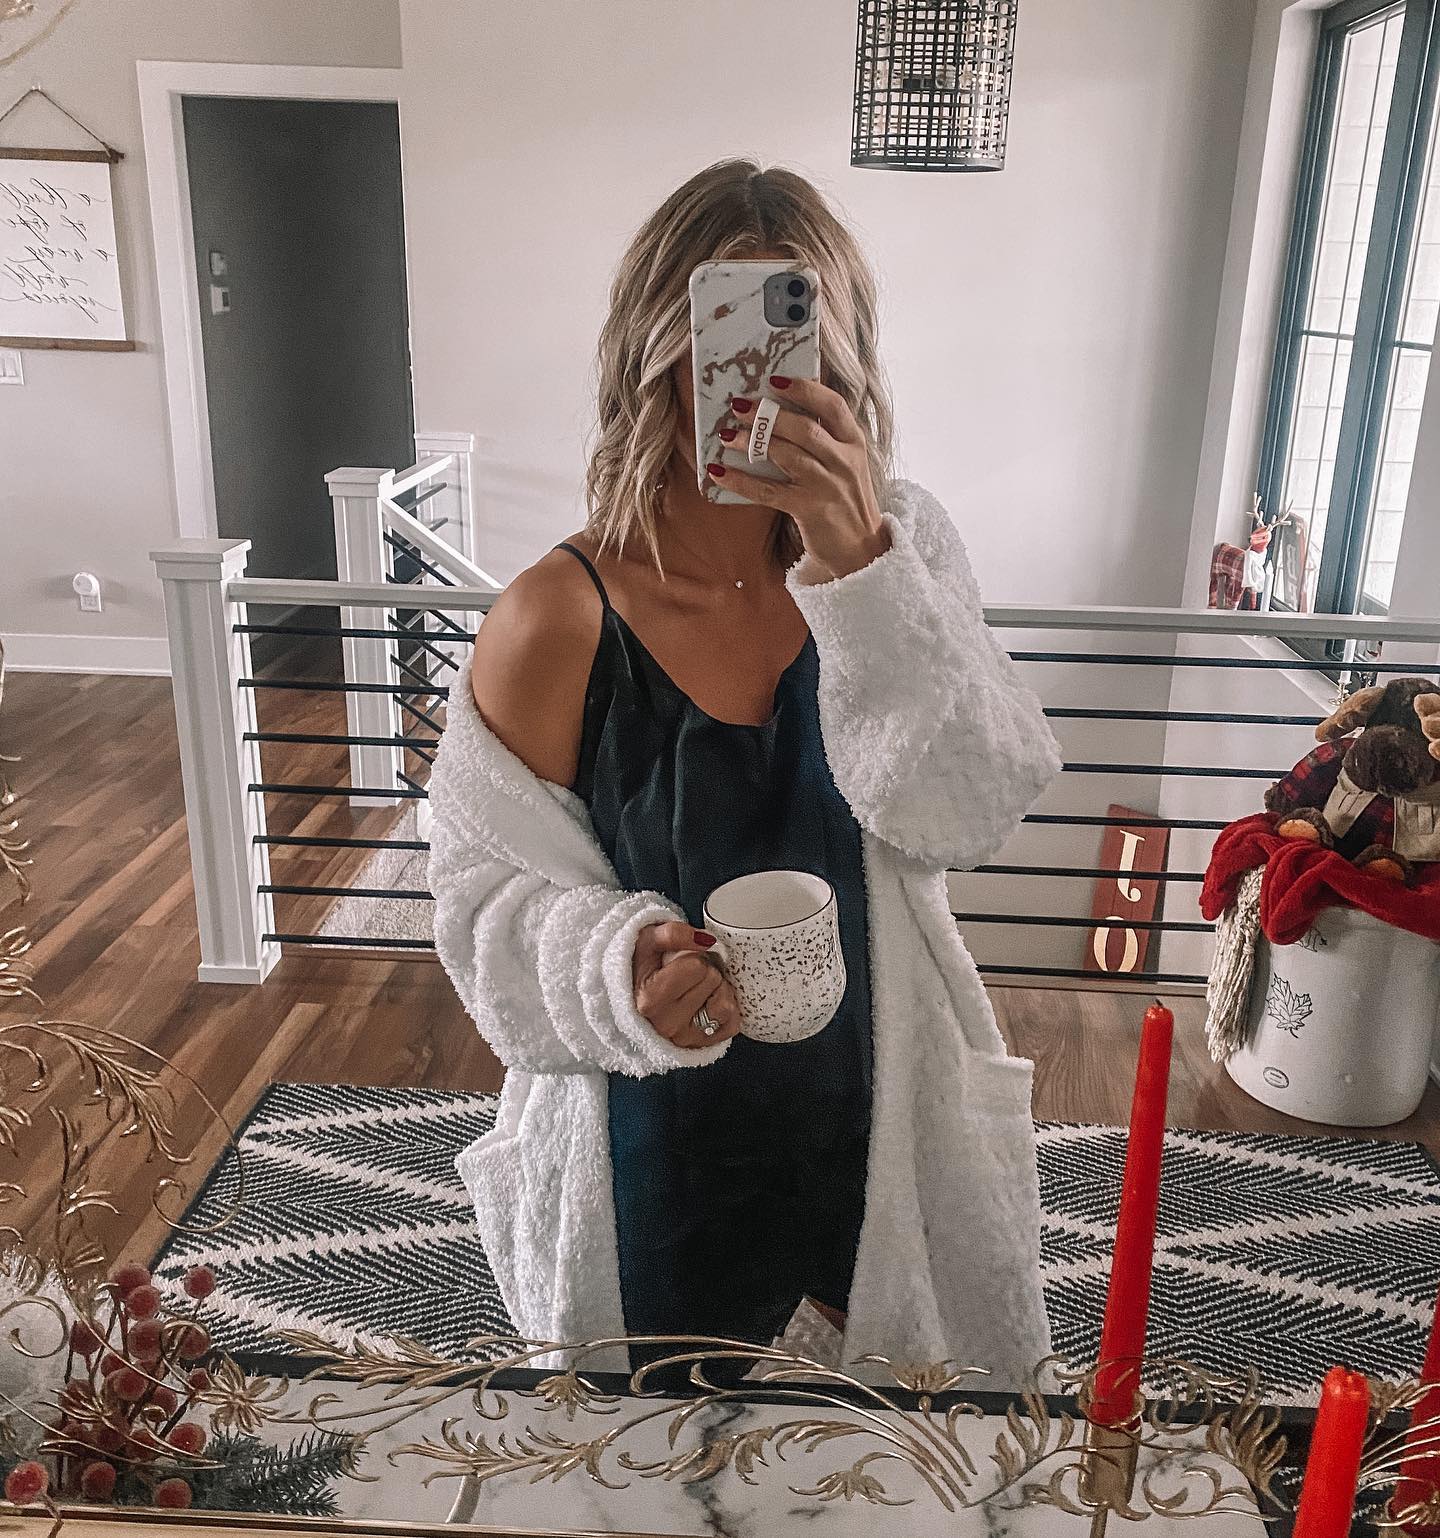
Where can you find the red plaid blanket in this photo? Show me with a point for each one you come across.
(1301, 880)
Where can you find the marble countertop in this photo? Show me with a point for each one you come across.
(725, 1506)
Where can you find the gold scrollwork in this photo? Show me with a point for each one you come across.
(1212, 1445)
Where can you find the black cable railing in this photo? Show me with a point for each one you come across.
(1065, 871)
(359, 632)
(427, 685)
(428, 647)
(340, 740)
(1011, 969)
(1055, 921)
(421, 715)
(419, 654)
(297, 889)
(324, 841)
(354, 942)
(1165, 660)
(271, 788)
(332, 686)
(408, 501)
(412, 553)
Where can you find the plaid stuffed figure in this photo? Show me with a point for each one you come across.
(1313, 783)
(1373, 797)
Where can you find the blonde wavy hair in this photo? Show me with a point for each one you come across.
(729, 211)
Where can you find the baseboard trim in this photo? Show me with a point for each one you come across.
(246, 975)
(30, 653)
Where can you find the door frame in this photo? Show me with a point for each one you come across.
(162, 85)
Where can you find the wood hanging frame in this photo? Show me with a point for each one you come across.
(106, 153)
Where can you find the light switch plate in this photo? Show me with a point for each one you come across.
(218, 265)
(219, 299)
(12, 370)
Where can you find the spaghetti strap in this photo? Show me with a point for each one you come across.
(585, 562)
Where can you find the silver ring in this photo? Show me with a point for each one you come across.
(708, 1027)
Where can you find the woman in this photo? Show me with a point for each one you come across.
(681, 693)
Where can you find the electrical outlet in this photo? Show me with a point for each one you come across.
(12, 370)
(87, 590)
(219, 299)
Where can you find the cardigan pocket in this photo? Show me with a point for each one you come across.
(1000, 1112)
(494, 1174)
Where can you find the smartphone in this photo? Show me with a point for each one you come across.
(748, 320)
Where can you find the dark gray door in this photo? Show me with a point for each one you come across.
(305, 324)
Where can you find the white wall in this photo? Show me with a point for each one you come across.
(1048, 329)
(85, 477)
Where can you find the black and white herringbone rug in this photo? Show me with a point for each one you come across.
(1289, 1253)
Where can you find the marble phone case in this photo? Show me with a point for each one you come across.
(736, 350)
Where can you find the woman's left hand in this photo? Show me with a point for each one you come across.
(830, 495)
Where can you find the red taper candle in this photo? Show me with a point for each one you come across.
(1327, 1498)
(1127, 1304)
(1420, 1470)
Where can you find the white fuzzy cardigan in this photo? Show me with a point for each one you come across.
(939, 749)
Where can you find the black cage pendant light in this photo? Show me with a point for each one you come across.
(932, 84)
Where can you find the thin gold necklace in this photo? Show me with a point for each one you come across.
(737, 582)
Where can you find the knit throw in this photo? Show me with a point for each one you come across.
(1228, 990)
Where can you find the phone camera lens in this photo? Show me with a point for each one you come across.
(796, 312)
(796, 288)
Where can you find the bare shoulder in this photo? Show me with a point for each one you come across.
(532, 662)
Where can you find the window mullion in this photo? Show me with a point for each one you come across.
(1309, 201)
(1378, 312)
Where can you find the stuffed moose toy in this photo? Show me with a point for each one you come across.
(1373, 797)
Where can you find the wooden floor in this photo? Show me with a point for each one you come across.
(115, 945)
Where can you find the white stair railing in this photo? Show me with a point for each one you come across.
(449, 512)
(219, 758)
(1179, 717)
(206, 597)
(370, 524)
(372, 708)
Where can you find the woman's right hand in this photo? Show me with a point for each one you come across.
(674, 979)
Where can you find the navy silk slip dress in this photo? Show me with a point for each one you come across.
(739, 1186)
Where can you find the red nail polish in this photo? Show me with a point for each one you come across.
(741, 405)
(780, 381)
(715, 470)
(729, 434)
(704, 937)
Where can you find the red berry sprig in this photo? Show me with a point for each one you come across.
(131, 1380)
(26, 1483)
(173, 1492)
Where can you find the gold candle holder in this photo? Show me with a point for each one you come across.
(1108, 1465)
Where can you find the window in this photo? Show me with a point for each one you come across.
(1358, 320)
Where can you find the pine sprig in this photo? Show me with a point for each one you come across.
(296, 1480)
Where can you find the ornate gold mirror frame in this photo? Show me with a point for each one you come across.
(72, 1367)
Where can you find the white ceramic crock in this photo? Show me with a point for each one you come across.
(1341, 1023)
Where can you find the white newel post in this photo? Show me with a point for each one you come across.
(217, 765)
(360, 557)
(449, 512)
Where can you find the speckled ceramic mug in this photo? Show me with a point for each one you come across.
(778, 941)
